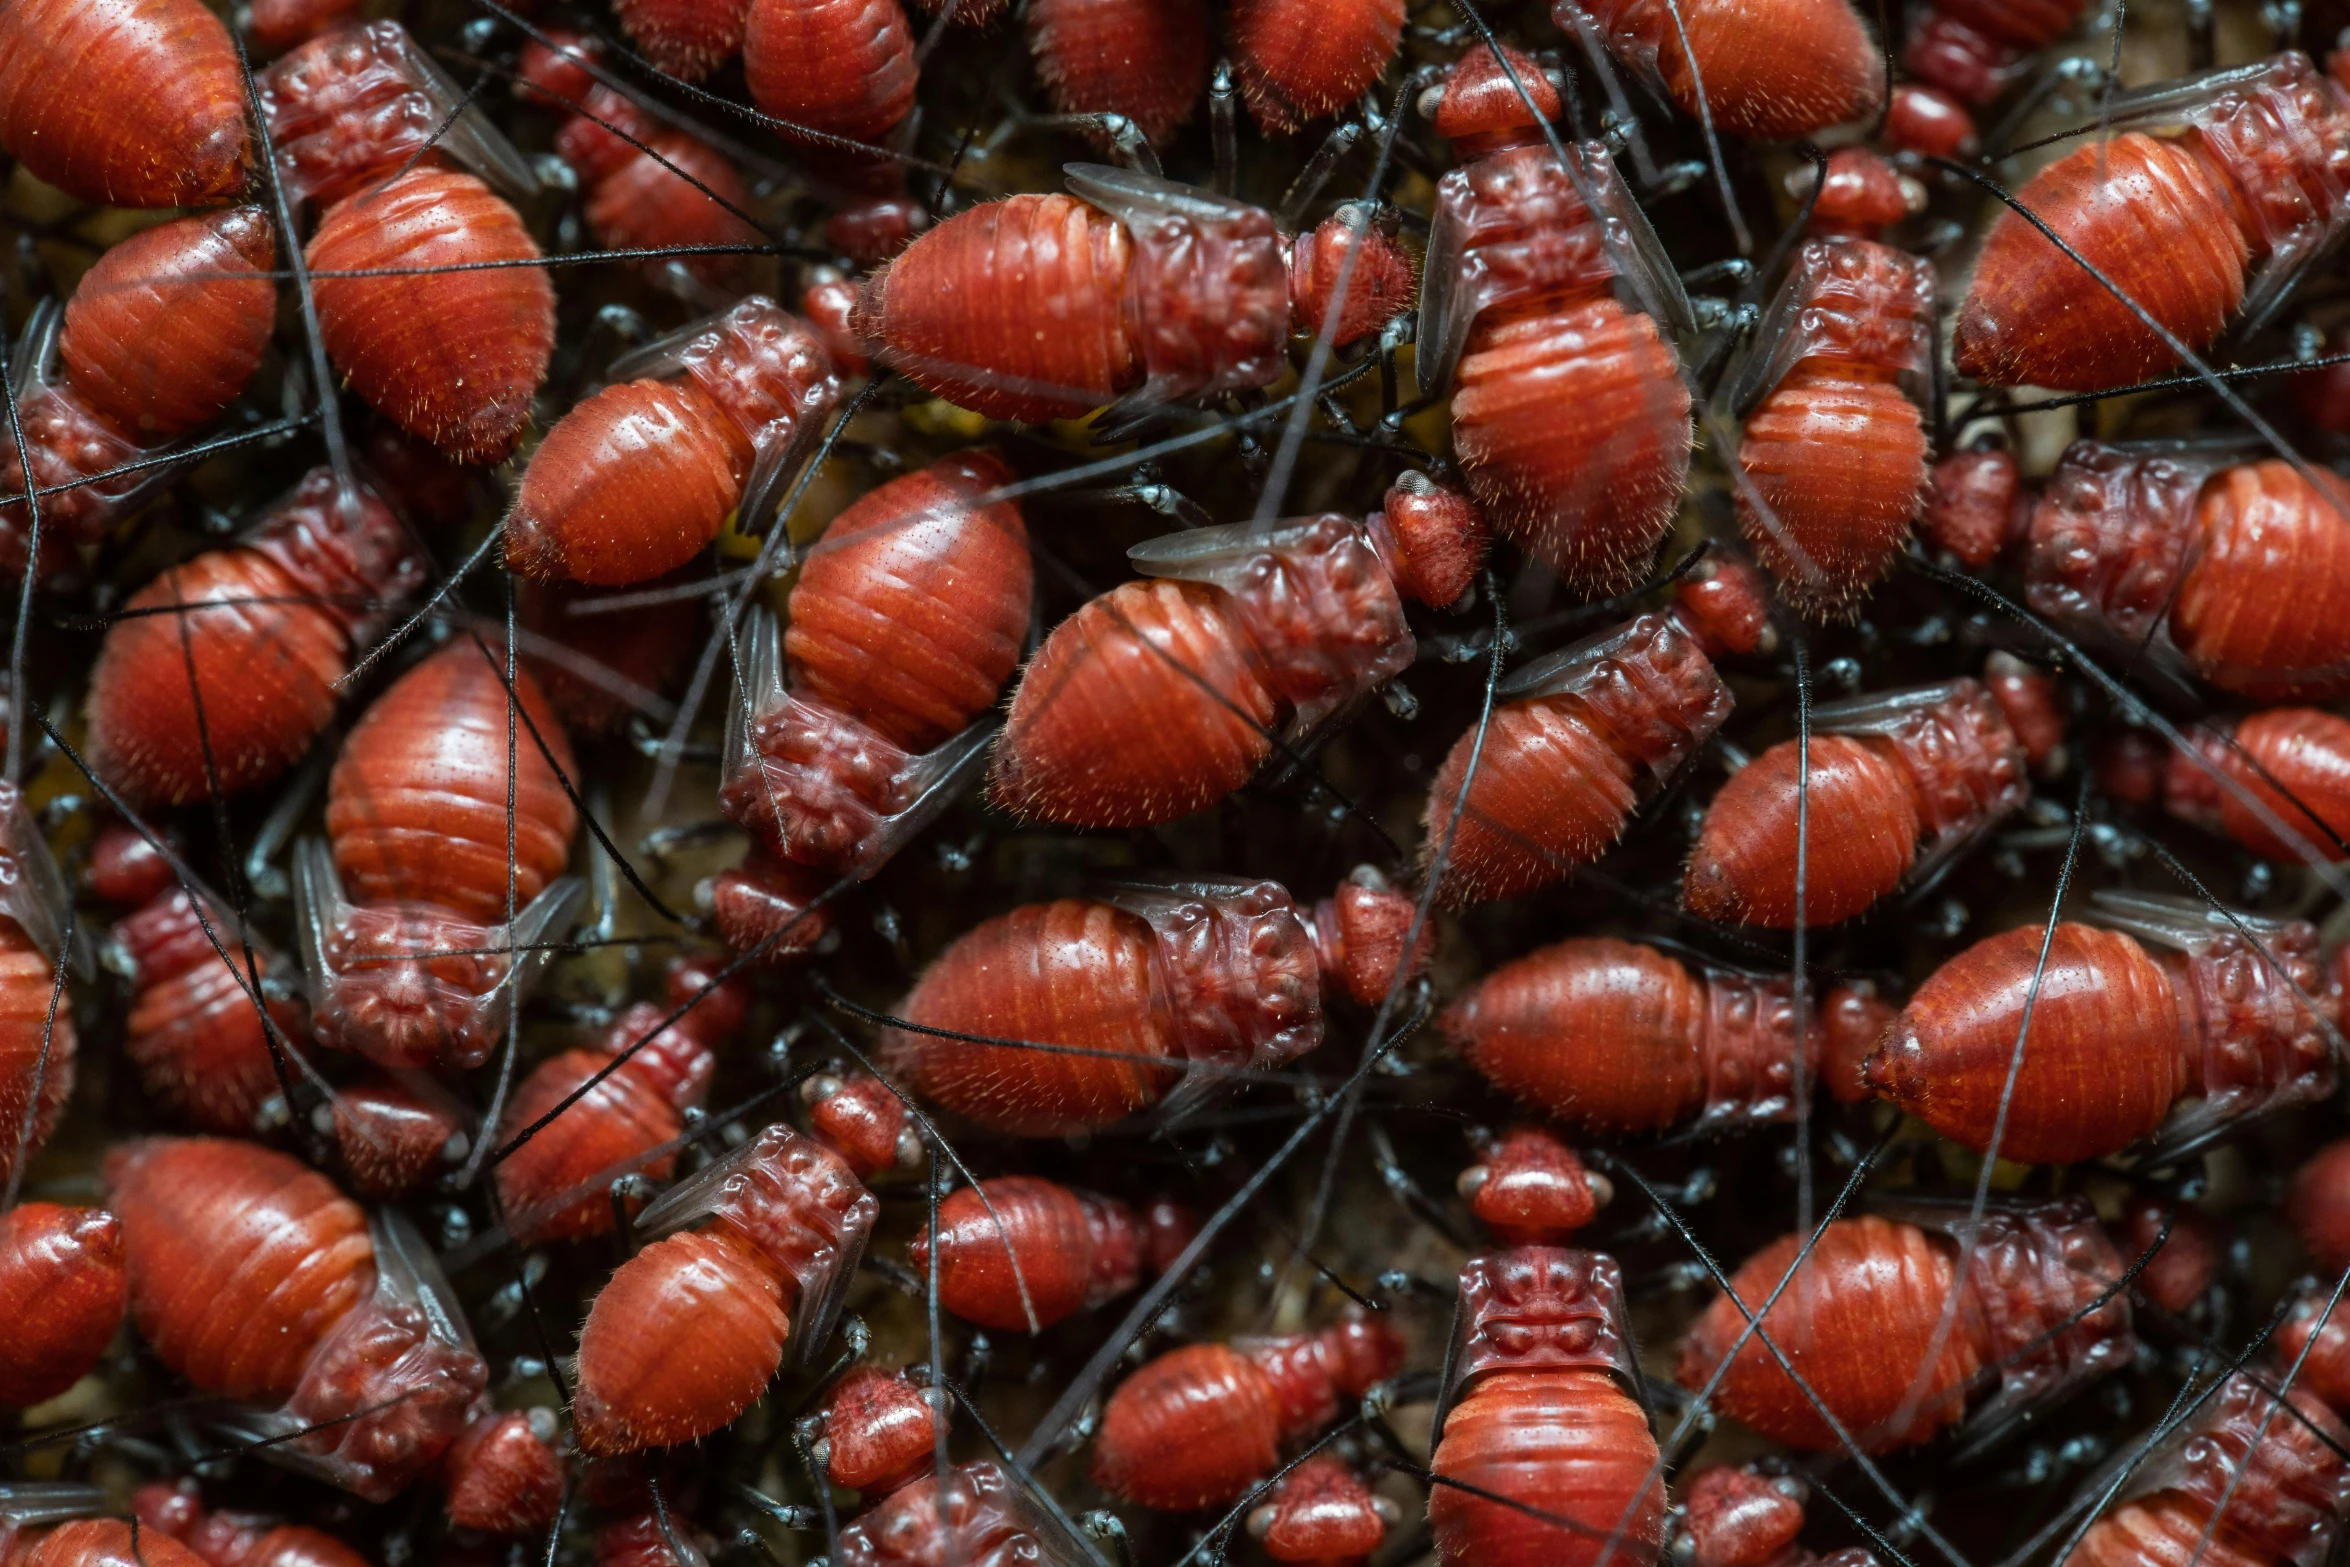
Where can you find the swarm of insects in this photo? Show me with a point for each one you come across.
(1121, 783)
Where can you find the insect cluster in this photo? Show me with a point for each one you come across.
(1111, 783)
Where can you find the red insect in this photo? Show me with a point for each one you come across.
(1898, 785)
(2180, 1271)
(2241, 573)
(862, 1118)
(1544, 1458)
(2120, 1034)
(1155, 989)
(708, 421)
(687, 39)
(1019, 1253)
(1570, 418)
(1199, 1426)
(1834, 452)
(2249, 1478)
(553, 1186)
(1783, 69)
(1161, 697)
(1145, 59)
(254, 1279)
(83, 1542)
(1300, 60)
(1969, 51)
(604, 655)
(2198, 228)
(1322, 1512)
(972, 1513)
(70, 70)
(408, 966)
(233, 1539)
(278, 25)
(850, 736)
(36, 1011)
(220, 673)
(2294, 761)
(193, 1031)
(63, 1286)
(1867, 1307)
(1862, 196)
(1156, 293)
(842, 67)
(363, 123)
(1724, 603)
(876, 1433)
(692, 1328)
(1744, 1518)
(159, 337)
(1612, 1036)
(1972, 509)
(2318, 1206)
(1576, 743)
(644, 184)
(1529, 1189)
(396, 1133)
(502, 1477)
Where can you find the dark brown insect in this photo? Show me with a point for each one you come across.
(71, 72)
(1544, 1459)
(218, 675)
(254, 1279)
(2241, 574)
(1198, 1426)
(1613, 1036)
(1866, 1309)
(1155, 990)
(1898, 784)
(63, 1286)
(2198, 228)
(855, 727)
(1577, 741)
(159, 337)
(1570, 417)
(1300, 60)
(1160, 697)
(1834, 453)
(1019, 1253)
(707, 422)
(2169, 1007)
(1322, 1512)
(364, 123)
(644, 184)
(1157, 292)
(406, 922)
(553, 1187)
(754, 1252)
(1783, 69)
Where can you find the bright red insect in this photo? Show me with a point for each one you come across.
(233, 1539)
(1145, 59)
(404, 924)
(2240, 573)
(1301, 60)
(1577, 741)
(1743, 1518)
(1322, 1512)
(1898, 784)
(1019, 1253)
(63, 1287)
(2293, 761)
(2169, 1007)
(268, 626)
(1200, 1425)
(256, 1280)
(1160, 697)
(1782, 69)
(1570, 417)
(1866, 1309)
(1157, 293)
(501, 1475)
(1155, 990)
(1972, 509)
(876, 1433)
(906, 620)
(363, 123)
